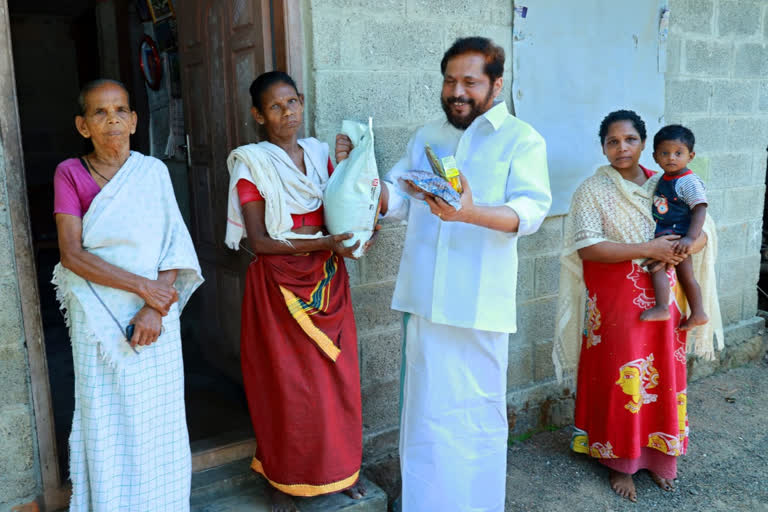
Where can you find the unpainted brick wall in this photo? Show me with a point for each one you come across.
(18, 472)
(717, 85)
(381, 59)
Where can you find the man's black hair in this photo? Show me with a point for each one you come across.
(494, 55)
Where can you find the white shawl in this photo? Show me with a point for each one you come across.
(284, 187)
(133, 223)
(606, 207)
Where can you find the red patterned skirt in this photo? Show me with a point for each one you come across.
(301, 375)
(631, 393)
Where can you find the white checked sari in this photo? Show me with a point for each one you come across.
(129, 447)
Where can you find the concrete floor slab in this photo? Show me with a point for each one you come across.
(235, 488)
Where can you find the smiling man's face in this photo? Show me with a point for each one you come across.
(467, 91)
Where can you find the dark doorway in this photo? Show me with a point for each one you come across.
(55, 50)
(58, 46)
(762, 284)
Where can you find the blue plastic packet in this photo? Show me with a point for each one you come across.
(431, 184)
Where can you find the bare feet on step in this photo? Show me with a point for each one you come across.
(694, 320)
(356, 491)
(623, 485)
(655, 314)
(281, 502)
(664, 483)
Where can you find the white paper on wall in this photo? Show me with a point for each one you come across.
(574, 62)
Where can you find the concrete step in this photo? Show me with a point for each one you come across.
(234, 487)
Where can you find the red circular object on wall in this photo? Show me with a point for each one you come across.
(149, 60)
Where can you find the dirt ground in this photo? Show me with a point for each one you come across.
(726, 468)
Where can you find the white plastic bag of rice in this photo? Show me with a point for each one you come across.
(351, 197)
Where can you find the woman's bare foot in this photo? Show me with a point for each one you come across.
(694, 320)
(664, 483)
(623, 485)
(655, 314)
(356, 491)
(281, 502)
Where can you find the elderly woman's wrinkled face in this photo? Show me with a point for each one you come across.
(108, 121)
(281, 112)
(623, 145)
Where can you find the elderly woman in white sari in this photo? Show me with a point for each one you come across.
(127, 269)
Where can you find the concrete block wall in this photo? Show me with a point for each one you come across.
(18, 468)
(382, 59)
(717, 84)
(534, 399)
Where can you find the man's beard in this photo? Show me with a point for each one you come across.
(463, 122)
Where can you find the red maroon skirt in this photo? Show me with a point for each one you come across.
(301, 375)
(631, 390)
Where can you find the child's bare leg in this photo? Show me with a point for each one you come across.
(660, 311)
(693, 294)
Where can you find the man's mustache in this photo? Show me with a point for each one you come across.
(459, 99)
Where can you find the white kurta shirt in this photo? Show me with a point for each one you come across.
(460, 274)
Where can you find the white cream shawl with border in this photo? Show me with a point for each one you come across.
(606, 207)
(284, 187)
(133, 223)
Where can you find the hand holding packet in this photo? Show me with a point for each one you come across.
(442, 182)
(429, 183)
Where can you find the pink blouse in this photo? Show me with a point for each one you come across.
(73, 188)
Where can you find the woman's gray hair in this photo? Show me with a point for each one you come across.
(95, 84)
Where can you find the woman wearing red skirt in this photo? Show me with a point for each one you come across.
(298, 336)
(631, 375)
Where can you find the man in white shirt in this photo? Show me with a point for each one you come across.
(456, 285)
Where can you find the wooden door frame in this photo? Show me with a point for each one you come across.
(16, 183)
(288, 39)
(55, 492)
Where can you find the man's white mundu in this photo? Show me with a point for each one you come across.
(457, 285)
(129, 447)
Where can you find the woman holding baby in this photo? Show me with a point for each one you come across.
(631, 374)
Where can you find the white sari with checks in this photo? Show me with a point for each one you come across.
(129, 447)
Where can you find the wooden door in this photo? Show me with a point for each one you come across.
(224, 45)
